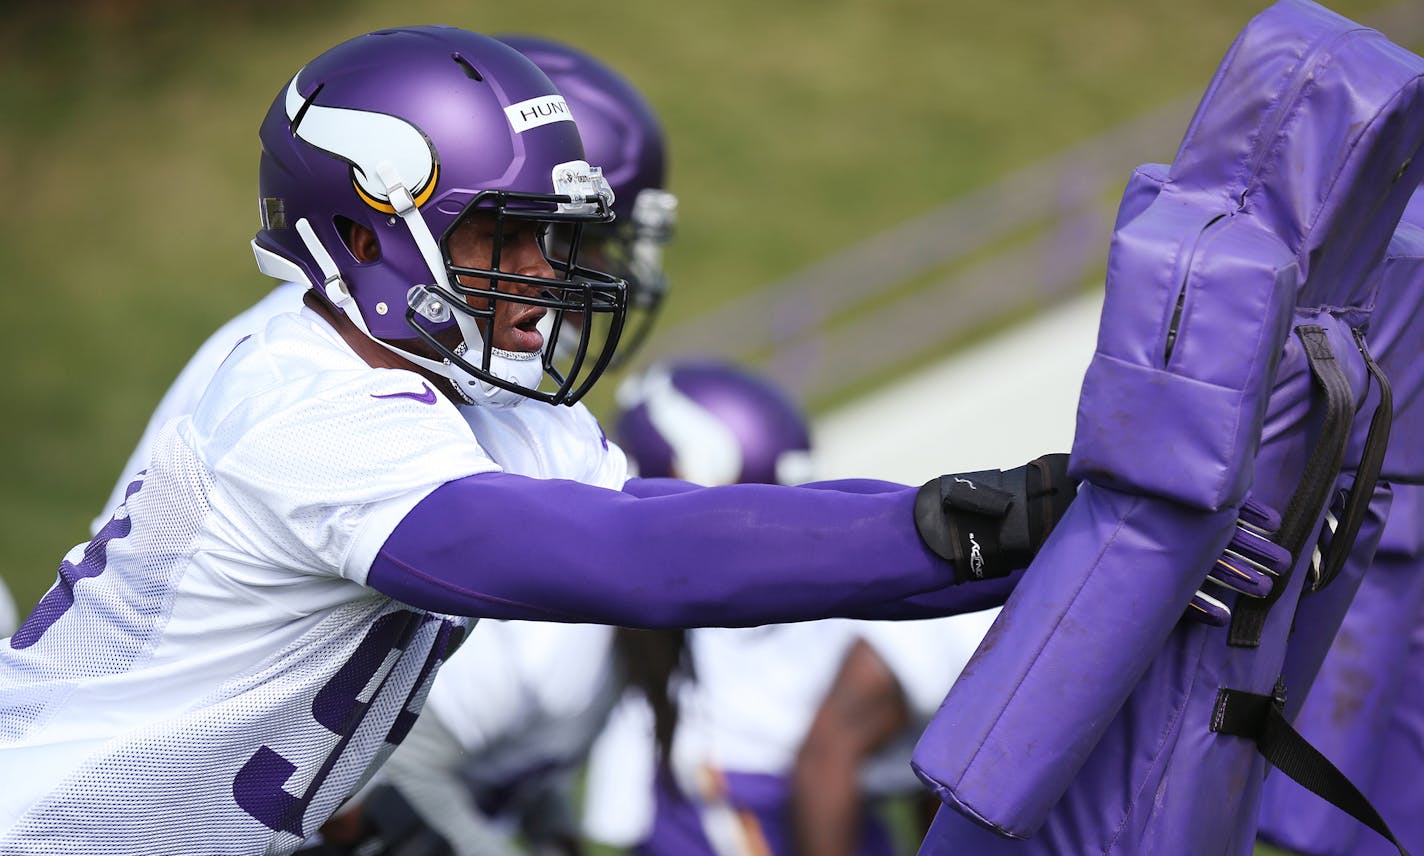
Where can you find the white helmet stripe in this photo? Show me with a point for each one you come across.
(704, 449)
(365, 140)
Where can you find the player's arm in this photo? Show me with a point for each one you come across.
(861, 713)
(506, 546)
(646, 488)
(931, 604)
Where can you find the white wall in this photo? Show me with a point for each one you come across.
(995, 406)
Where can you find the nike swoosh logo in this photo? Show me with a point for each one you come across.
(427, 397)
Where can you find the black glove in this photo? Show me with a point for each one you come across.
(991, 523)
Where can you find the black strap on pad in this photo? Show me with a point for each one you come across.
(1261, 719)
(1357, 503)
(1248, 618)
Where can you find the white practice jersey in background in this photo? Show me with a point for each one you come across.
(756, 694)
(756, 691)
(525, 698)
(210, 674)
(507, 724)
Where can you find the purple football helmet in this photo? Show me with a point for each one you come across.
(711, 423)
(405, 132)
(622, 136)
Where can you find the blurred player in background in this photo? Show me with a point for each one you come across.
(258, 622)
(856, 751)
(729, 767)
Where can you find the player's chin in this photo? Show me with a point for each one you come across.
(524, 343)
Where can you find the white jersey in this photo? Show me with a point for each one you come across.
(926, 658)
(618, 802)
(755, 694)
(183, 394)
(210, 673)
(758, 689)
(508, 722)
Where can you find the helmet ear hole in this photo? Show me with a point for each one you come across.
(363, 244)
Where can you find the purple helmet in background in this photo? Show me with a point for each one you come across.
(622, 136)
(404, 132)
(712, 423)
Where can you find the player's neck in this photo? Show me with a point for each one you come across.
(368, 350)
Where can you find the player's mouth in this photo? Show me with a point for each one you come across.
(522, 331)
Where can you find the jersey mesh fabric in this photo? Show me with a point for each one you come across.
(364, 436)
(115, 624)
(209, 676)
(144, 794)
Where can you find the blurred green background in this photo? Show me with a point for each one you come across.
(128, 155)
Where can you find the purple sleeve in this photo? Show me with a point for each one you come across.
(648, 488)
(499, 545)
(644, 488)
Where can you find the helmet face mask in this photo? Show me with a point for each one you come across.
(630, 249)
(571, 355)
(408, 133)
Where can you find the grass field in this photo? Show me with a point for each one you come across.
(129, 151)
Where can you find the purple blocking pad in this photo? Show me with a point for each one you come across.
(1084, 718)
(1350, 709)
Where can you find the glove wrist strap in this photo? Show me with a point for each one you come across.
(959, 518)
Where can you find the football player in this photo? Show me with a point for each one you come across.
(253, 630)
(488, 768)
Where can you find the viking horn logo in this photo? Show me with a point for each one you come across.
(704, 449)
(365, 140)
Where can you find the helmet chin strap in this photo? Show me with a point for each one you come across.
(518, 367)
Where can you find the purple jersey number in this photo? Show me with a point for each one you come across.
(340, 706)
(60, 597)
